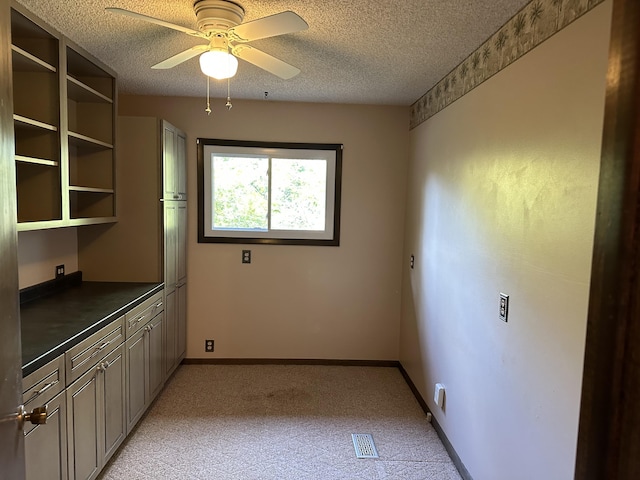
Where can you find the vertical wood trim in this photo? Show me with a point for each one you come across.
(609, 431)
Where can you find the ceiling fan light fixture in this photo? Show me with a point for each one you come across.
(218, 64)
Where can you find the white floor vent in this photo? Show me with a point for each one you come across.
(363, 443)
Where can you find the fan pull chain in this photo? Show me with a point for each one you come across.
(208, 109)
(228, 104)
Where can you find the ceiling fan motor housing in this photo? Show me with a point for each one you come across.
(217, 15)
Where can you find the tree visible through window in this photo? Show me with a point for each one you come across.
(252, 192)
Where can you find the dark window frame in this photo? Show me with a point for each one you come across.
(337, 148)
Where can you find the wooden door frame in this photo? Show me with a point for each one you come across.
(11, 438)
(609, 431)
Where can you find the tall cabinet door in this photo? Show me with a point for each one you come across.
(181, 246)
(169, 144)
(170, 244)
(181, 165)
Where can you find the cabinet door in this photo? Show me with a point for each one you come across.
(181, 240)
(113, 403)
(154, 341)
(83, 426)
(170, 325)
(169, 161)
(182, 321)
(181, 165)
(45, 445)
(170, 244)
(136, 377)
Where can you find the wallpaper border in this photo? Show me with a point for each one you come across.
(532, 25)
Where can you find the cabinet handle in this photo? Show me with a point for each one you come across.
(140, 318)
(46, 387)
(37, 393)
(99, 348)
(159, 304)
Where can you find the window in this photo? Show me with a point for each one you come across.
(265, 192)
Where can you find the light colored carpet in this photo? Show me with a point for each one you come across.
(282, 422)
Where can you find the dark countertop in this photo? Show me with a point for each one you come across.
(53, 324)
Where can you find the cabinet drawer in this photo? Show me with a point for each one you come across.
(140, 315)
(42, 385)
(87, 353)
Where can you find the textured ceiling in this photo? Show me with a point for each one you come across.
(355, 51)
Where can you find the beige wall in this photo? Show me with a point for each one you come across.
(300, 301)
(40, 251)
(501, 198)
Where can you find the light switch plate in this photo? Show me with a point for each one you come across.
(504, 307)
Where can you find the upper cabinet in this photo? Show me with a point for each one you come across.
(36, 119)
(174, 163)
(64, 122)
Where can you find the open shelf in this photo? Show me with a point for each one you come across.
(26, 122)
(28, 36)
(91, 204)
(23, 61)
(64, 122)
(84, 141)
(37, 161)
(39, 192)
(89, 74)
(76, 188)
(80, 92)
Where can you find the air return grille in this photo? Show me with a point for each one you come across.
(363, 443)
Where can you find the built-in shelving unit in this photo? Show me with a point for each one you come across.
(64, 122)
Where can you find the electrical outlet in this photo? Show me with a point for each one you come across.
(246, 256)
(504, 307)
(59, 271)
(208, 345)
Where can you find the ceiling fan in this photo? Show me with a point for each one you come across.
(220, 23)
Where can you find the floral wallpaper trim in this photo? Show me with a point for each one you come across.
(531, 26)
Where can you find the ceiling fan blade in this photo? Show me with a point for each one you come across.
(181, 57)
(265, 61)
(157, 21)
(278, 24)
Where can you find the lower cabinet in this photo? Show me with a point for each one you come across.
(170, 332)
(96, 421)
(181, 340)
(175, 327)
(97, 390)
(46, 443)
(145, 373)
